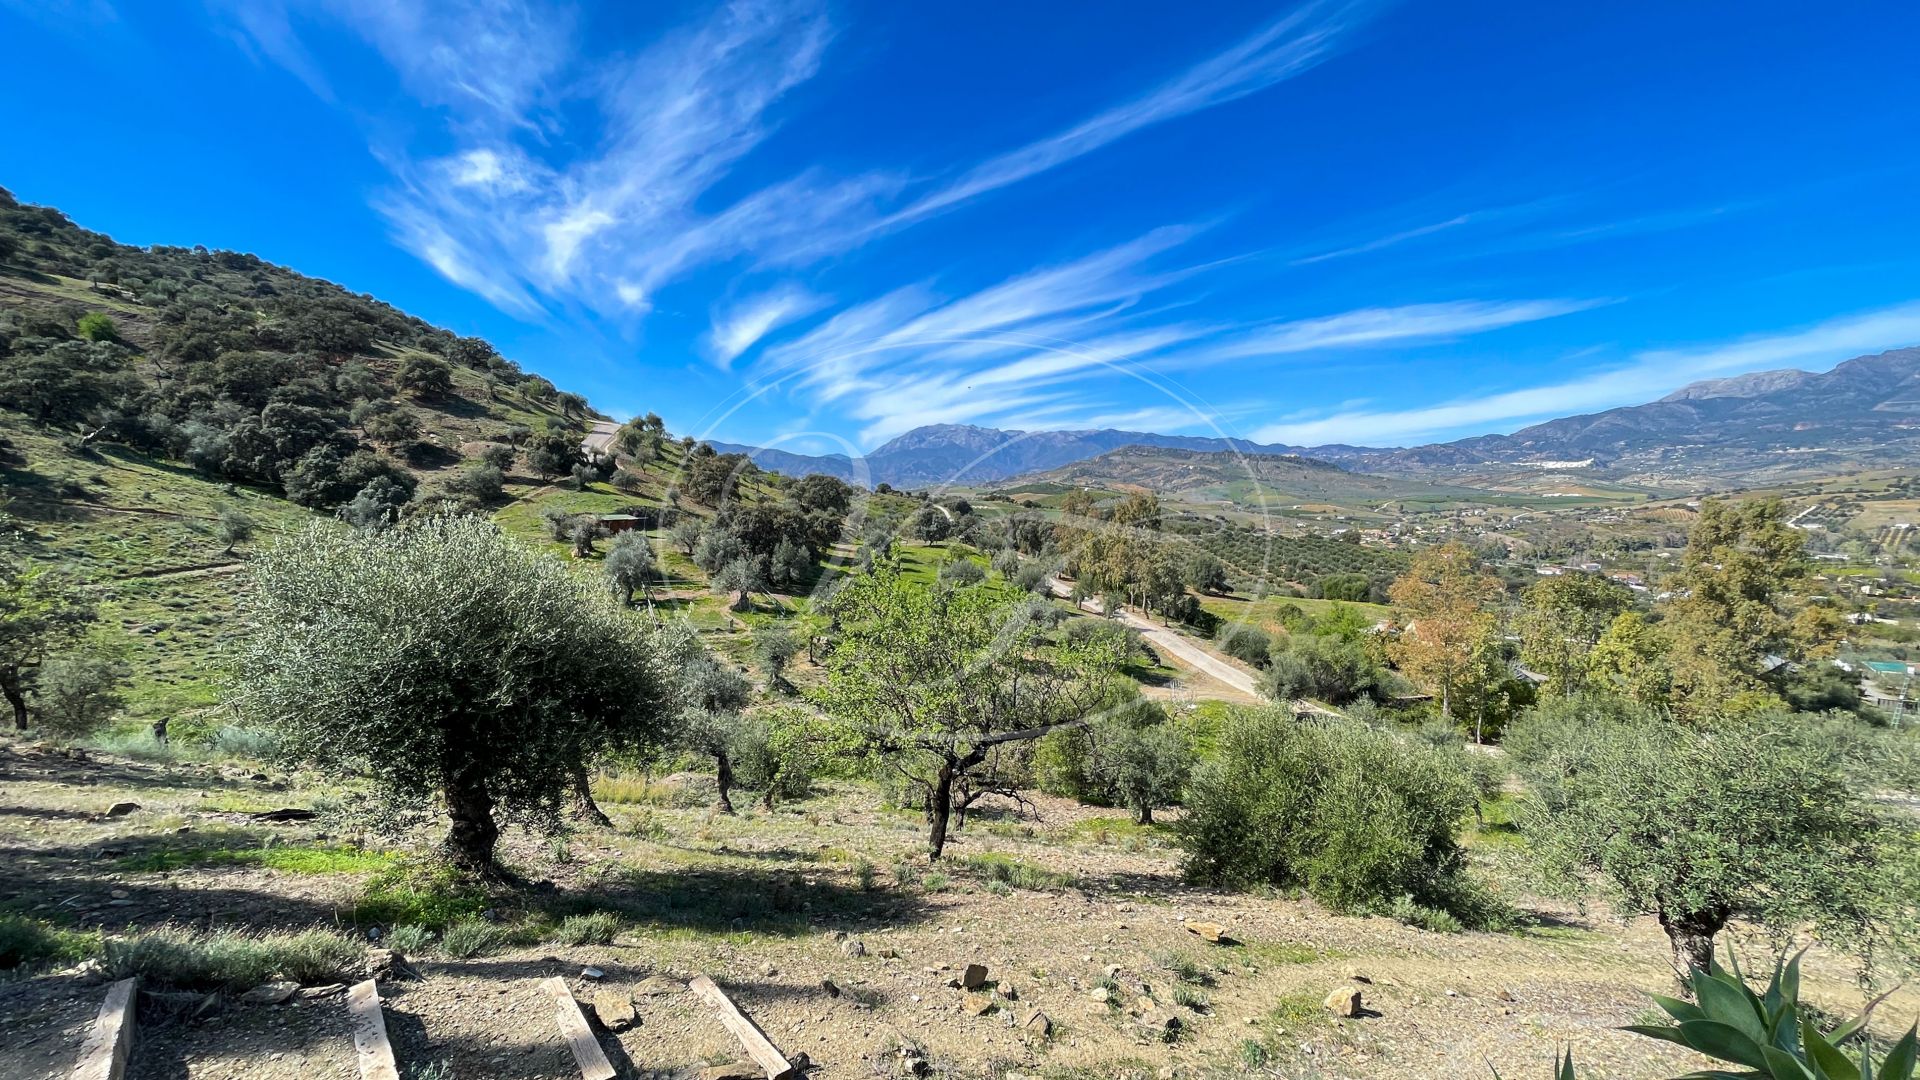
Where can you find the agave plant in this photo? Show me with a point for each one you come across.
(1765, 1033)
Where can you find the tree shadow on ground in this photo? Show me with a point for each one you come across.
(86, 884)
(721, 900)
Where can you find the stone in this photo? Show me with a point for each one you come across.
(614, 1009)
(1100, 994)
(887, 953)
(733, 1070)
(1343, 1001)
(122, 809)
(979, 1004)
(853, 947)
(973, 977)
(273, 993)
(312, 993)
(1208, 931)
(657, 986)
(1008, 991)
(1038, 1023)
(389, 964)
(1505, 995)
(591, 972)
(1159, 1027)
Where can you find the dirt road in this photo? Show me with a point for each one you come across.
(1189, 652)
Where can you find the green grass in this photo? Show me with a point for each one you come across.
(1114, 830)
(327, 859)
(1275, 953)
(433, 897)
(29, 943)
(1017, 873)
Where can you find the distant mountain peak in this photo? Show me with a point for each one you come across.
(1751, 385)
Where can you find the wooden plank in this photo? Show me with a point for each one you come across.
(110, 1041)
(586, 1049)
(370, 1043)
(758, 1046)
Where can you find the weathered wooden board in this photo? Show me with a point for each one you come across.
(109, 1043)
(370, 1043)
(586, 1049)
(758, 1046)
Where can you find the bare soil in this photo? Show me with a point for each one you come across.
(771, 905)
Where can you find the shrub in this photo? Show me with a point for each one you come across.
(469, 938)
(595, 928)
(1248, 644)
(962, 572)
(1358, 818)
(1322, 669)
(97, 326)
(409, 939)
(254, 744)
(76, 694)
(229, 959)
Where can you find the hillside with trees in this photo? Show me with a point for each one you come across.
(340, 649)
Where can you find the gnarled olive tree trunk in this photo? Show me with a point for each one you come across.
(471, 839)
(1691, 935)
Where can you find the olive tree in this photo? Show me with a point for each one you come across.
(41, 612)
(443, 659)
(711, 724)
(929, 681)
(629, 565)
(1757, 820)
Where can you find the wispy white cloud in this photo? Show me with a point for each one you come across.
(1038, 345)
(739, 326)
(1278, 51)
(1650, 374)
(518, 213)
(1372, 327)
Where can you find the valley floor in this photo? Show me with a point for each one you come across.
(769, 904)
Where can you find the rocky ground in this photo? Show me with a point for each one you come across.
(820, 922)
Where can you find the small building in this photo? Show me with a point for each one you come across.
(616, 524)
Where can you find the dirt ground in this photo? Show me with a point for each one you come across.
(773, 906)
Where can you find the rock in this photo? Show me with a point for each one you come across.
(1343, 1001)
(389, 964)
(1111, 971)
(274, 993)
(732, 1071)
(1037, 1023)
(591, 972)
(973, 977)
(853, 947)
(1505, 995)
(832, 988)
(768, 971)
(979, 1004)
(887, 953)
(122, 809)
(1159, 1027)
(614, 1009)
(285, 813)
(1100, 994)
(312, 993)
(1143, 1005)
(657, 986)
(1208, 931)
(1007, 991)
(119, 894)
(1359, 976)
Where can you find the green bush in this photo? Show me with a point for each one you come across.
(229, 959)
(1358, 818)
(594, 928)
(1323, 669)
(1248, 644)
(469, 938)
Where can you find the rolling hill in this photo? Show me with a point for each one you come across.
(1762, 427)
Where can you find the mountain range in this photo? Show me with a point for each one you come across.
(1767, 425)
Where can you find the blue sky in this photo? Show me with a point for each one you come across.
(819, 224)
